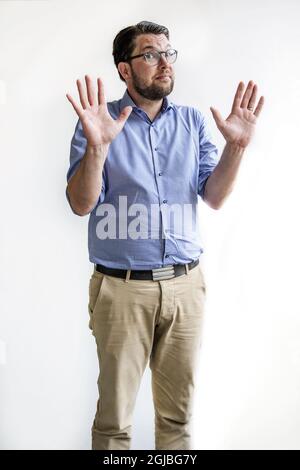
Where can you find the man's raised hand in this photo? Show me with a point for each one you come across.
(239, 126)
(98, 126)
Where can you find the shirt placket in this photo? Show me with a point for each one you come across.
(161, 184)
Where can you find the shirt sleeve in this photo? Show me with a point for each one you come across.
(208, 155)
(77, 151)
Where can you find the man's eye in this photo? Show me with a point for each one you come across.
(149, 55)
(170, 53)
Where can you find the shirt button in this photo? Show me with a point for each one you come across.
(156, 149)
(165, 201)
(167, 256)
(159, 174)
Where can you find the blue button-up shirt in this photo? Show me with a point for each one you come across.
(150, 166)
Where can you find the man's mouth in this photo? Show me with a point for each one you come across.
(163, 78)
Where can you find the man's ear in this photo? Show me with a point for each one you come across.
(124, 69)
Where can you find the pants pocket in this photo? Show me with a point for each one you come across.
(202, 279)
(95, 285)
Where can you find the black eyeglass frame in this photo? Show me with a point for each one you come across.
(159, 52)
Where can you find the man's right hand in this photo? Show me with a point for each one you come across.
(98, 126)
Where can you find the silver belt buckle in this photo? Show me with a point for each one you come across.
(160, 274)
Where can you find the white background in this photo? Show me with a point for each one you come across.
(248, 392)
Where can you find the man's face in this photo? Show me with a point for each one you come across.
(146, 79)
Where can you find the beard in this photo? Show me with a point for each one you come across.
(152, 92)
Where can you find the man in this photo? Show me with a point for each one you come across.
(145, 155)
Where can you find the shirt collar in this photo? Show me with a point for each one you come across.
(128, 101)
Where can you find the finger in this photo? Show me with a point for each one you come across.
(90, 90)
(259, 106)
(238, 96)
(124, 115)
(252, 98)
(101, 96)
(75, 105)
(82, 95)
(247, 95)
(217, 116)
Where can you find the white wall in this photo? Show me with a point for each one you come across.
(249, 381)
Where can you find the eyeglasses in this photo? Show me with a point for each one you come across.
(153, 57)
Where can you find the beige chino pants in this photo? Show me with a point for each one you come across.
(134, 322)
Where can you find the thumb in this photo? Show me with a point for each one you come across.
(217, 116)
(124, 115)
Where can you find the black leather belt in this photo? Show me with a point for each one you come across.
(158, 274)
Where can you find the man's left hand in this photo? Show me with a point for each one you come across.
(239, 127)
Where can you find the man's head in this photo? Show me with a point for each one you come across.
(142, 74)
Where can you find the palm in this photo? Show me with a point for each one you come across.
(98, 125)
(239, 126)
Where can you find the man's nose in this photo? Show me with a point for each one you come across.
(163, 60)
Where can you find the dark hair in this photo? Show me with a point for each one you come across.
(124, 42)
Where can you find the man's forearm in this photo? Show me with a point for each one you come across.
(85, 185)
(221, 181)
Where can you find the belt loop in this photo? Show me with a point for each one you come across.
(187, 269)
(128, 275)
